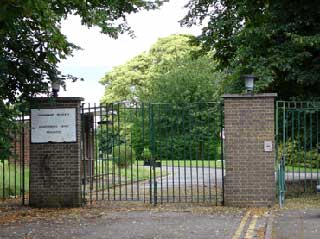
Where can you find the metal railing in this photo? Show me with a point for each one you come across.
(14, 167)
(152, 152)
(297, 136)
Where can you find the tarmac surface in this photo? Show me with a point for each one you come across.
(300, 218)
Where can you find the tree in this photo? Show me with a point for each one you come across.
(186, 81)
(182, 82)
(277, 40)
(132, 80)
(31, 42)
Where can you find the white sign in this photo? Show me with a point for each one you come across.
(267, 146)
(53, 125)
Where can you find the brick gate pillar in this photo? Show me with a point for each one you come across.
(249, 150)
(55, 152)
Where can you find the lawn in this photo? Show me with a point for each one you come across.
(11, 179)
(302, 170)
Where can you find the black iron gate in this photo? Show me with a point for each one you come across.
(152, 152)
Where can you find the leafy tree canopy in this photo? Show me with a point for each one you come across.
(31, 42)
(276, 40)
(31, 45)
(168, 72)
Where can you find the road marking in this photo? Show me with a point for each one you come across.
(252, 225)
(268, 234)
(241, 226)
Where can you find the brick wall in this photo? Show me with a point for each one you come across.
(250, 177)
(55, 167)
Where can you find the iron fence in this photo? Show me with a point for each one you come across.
(152, 152)
(297, 136)
(14, 167)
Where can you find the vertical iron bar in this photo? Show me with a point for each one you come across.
(95, 150)
(208, 150)
(305, 149)
(172, 153)
(9, 173)
(108, 145)
(119, 152)
(113, 155)
(152, 153)
(84, 177)
(184, 152)
(202, 124)
(197, 149)
(3, 180)
(101, 153)
(317, 147)
(190, 150)
(21, 152)
(222, 152)
(310, 147)
(23, 160)
(153, 157)
(299, 146)
(284, 133)
(167, 151)
(125, 150)
(178, 155)
(90, 152)
(287, 139)
(143, 145)
(215, 158)
(293, 144)
(15, 162)
(131, 146)
(160, 149)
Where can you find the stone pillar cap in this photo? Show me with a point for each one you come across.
(260, 95)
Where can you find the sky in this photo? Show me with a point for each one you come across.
(100, 53)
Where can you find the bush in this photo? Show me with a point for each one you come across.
(296, 156)
(123, 155)
(147, 155)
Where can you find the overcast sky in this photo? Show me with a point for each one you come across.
(100, 53)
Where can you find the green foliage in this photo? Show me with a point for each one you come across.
(12, 183)
(190, 131)
(172, 74)
(31, 45)
(31, 42)
(132, 81)
(140, 132)
(8, 125)
(190, 80)
(147, 155)
(297, 156)
(276, 40)
(123, 155)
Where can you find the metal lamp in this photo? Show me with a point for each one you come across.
(249, 82)
(55, 88)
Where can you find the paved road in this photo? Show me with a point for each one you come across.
(187, 176)
(296, 223)
(105, 221)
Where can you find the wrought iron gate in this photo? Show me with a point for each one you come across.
(152, 152)
(297, 136)
(14, 165)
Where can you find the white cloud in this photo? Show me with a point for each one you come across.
(100, 53)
